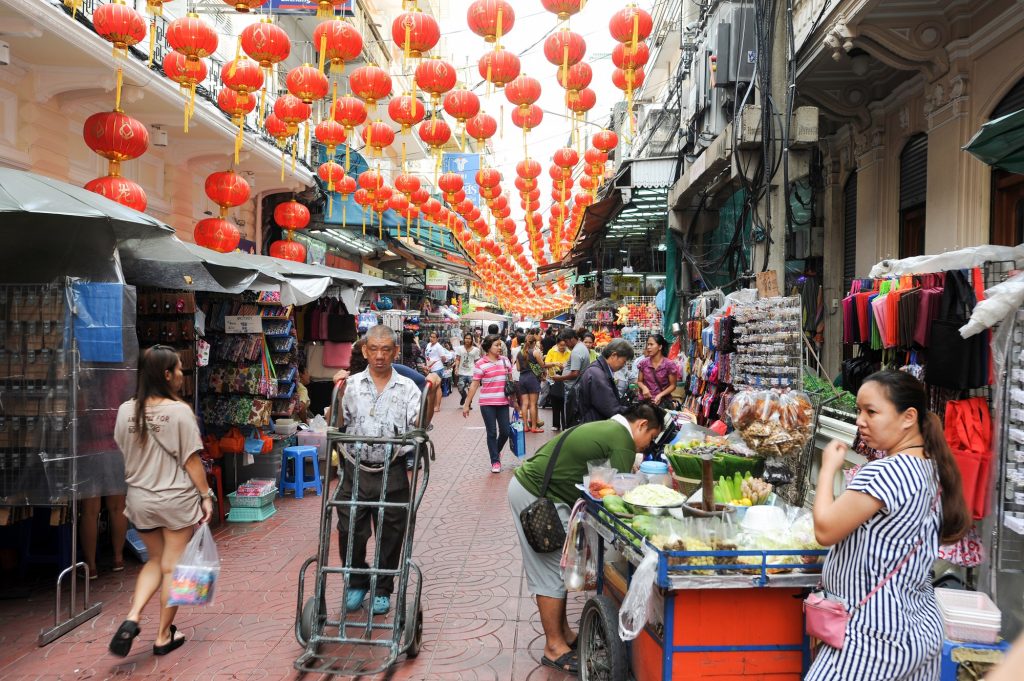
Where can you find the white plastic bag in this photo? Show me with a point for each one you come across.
(196, 573)
(636, 606)
(317, 424)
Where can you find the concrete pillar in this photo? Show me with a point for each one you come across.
(834, 290)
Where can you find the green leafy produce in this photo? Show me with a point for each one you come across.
(646, 525)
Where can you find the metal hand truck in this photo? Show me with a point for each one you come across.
(332, 643)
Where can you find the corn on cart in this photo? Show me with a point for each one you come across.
(712, 614)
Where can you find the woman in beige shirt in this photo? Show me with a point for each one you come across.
(167, 489)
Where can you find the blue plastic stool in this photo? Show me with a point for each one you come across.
(297, 481)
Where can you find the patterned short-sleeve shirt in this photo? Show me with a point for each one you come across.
(391, 412)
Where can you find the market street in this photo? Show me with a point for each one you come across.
(479, 621)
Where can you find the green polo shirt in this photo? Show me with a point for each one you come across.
(588, 442)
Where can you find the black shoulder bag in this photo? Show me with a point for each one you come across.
(541, 524)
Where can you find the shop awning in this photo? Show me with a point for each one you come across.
(172, 263)
(424, 260)
(1000, 143)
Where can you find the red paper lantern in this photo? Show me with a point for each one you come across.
(488, 178)
(529, 119)
(581, 101)
(435, 76)
(528, 168)
(332, 173)
(378, 135)
(119, 24)
(563, 8)
(529, 206)
(349, 111)
(185, 73)
(406, 183)
(435, 133)
(628, 80)
(565, 48)
(115, 136)
(277, 128)
(631, 24)
(217, 234)
(291, 215)
(245, 5)
(499, 66)
(431, 208)
(338, 41)
(286, 249)
(399, 203)
(371, 180)
(227, 189)
(120, 189)
(593, 155)
(630, 56)
(345, 186)
(566, 157)
(307, 83)
(490, 19)
(450, 183)
(370, 83)
(525, 184)
(331, 134)
(242, 75)
(523, 91)
(419, 197)
(236, 104)
(266, 42)
(407, 111)
(192, 36)
(292, 111)
(481, 127)
(415, 32)
(498, 204)
(362, 197)
(605, 140)
(583, 200)
(577, 77)
(461, 104)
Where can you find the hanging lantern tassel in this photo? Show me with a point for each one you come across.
(347, 157)
(117, 91)
(419, 223)
(282, 161)
(323, 52)
(330, 200)
(295, 147)
(364, 219)
(405, 52)
(308, 145)
(325, 10)
(403, 157)
(501, 122)
(497, 35)
(462, 146)
(152, 40)
(380, 226)
(629, 101)
(344, 211)
(239, 136)
(437, 163)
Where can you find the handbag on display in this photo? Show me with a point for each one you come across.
(337, 355)
(232, 442)
(968, 431)
(956, 362)
(341, 326)
(542, 526)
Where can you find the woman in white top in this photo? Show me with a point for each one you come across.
(167, 488)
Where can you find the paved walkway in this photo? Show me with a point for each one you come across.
(479, 620)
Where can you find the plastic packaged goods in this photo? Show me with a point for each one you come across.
(193, 580)
(969, 616)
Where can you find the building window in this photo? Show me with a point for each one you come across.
(1007, 220)
(849, 230)
(913, 195)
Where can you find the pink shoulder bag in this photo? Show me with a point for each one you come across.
(826, 619)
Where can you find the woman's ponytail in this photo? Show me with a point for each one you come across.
(955, 518)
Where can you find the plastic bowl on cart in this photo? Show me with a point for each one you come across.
(623, 482)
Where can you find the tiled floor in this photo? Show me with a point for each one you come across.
(479, 621)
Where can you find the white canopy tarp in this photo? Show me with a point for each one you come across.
(965, 258)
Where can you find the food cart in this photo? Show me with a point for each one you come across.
(738, 617)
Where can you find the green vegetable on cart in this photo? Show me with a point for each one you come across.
(615, 505)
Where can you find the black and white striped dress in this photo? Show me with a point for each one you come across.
(898, 633)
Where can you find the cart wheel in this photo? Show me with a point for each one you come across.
(602, 652)
(306, 623)
(415, 637)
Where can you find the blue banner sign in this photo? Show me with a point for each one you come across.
(303, 7)
(465, 165)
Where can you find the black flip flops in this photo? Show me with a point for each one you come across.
(121, 644)
(171, 645)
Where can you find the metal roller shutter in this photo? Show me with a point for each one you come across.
(850, 230)
(914, 172)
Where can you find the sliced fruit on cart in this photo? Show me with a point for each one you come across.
(615, 504)
(655, 496)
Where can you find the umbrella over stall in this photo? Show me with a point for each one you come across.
(54, 229)
(1000, 143)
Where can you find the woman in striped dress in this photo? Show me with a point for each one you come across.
(888, 524)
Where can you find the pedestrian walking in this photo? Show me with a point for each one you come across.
(167, 491)
(617, 440)
(489, 377)
(579, 360)
(885, 531)
(531, 373)
(598, 396)
(555, 361)
(377, 402)
(657, 374)
(466, 356)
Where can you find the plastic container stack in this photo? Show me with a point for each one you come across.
(969, 616)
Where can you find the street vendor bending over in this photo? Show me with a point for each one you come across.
(616, 439)
(378, 402)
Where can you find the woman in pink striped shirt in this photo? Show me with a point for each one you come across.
(489, 376)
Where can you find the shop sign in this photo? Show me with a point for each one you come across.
(767, 284)
(436, 280)
(302, 7)
(457, 284)
(466, 166)
(243, 324)
(373, 271)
